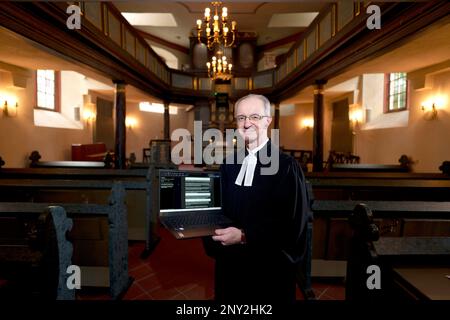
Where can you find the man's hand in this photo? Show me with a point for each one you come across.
(228, 236)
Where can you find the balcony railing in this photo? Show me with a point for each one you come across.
(113, 25)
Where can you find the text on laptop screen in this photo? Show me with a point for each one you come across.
(181, 190)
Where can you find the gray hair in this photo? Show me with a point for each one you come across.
(263, 99)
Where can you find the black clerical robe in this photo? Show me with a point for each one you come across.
(272, 214)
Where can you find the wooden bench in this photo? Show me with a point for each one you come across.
(379, 186)
(100, 230)
(34, 251)
(303, 157)
(69, 164)
(365, 167)
(96, 183)
(397, 257)
(331, 232)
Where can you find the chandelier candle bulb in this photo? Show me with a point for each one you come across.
(218, 32)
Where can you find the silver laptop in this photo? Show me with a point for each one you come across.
(190, 203)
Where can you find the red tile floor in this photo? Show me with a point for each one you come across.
(180, 270)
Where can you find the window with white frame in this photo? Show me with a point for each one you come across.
(47, 87)
(396, 91)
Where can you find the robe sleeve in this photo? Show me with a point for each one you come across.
(299, 207)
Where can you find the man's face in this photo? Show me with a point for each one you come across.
(250, 130)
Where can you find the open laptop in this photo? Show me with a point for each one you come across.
(190, 203)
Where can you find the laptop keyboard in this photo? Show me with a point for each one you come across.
(197, 220)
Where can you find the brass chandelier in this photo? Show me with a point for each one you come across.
(219, 68)
(216, 28)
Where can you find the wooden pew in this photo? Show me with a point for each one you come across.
(109, 255)
(69, 164)
(410, 267)
(379, 186)
(138, 183)
(331, 230)
(34, 251)
(365, 167)
(303, 157)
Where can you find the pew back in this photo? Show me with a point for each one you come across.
(95, 185)
(34, 251)
(100, 230)
(383, 255)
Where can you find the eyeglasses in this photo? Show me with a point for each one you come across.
(251, 118)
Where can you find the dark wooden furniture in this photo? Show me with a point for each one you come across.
(423, 282)
(336, 194)
(304, 157)
(88, 152)
(95, 185)
(335, 157)
(69, 164)
(34, 251)
(394, 255)
(364, 167)
(146, 155)
(100, 233)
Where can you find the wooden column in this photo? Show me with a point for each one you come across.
(276, 120)
(318, 126)
(120, 107)
(166, 121)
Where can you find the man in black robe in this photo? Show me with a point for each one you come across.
(256, 258)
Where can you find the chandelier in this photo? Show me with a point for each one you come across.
(216, 28)
(219, 68)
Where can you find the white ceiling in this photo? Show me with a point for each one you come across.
(251, 16)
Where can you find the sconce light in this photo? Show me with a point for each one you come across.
(9, 106)
(308, 123)
(430, 112)
(356, 117)
(130, 122)
(431, 106)
(355, 114)
(88, 116)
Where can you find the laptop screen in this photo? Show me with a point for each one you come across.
(188, 191)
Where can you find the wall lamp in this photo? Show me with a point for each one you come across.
(9, 107)
(88, 116)
(308, 123)
(430, 107)
(430, 111)
(355, 114)
(130, 122)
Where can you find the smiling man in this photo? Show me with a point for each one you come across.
(256, 257)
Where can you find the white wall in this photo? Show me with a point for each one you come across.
(19, 135)
(292, 134)
(425, 141)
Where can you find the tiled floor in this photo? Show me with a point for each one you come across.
(180, 270)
